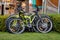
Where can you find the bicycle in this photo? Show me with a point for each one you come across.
(18, 22)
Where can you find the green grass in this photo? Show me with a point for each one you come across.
(30, 36)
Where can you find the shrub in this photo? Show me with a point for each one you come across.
(2, 22)
(56, 21)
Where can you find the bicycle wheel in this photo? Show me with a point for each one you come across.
(45, 25)
(15, 25)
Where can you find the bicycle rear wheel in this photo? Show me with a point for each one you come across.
(45, 25)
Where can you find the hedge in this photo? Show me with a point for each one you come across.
(55, 18)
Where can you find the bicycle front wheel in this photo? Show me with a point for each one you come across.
(16, 25)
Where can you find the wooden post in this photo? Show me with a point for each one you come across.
(58, 6)
(2, 11)
(44, 5)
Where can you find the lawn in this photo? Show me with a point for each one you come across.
(30, 36)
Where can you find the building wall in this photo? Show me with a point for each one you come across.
(7, 5)
(39, 2)
(55, 2)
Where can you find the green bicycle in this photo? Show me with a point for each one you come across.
(18, 22)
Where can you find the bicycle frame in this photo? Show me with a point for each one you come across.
(27, 18)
